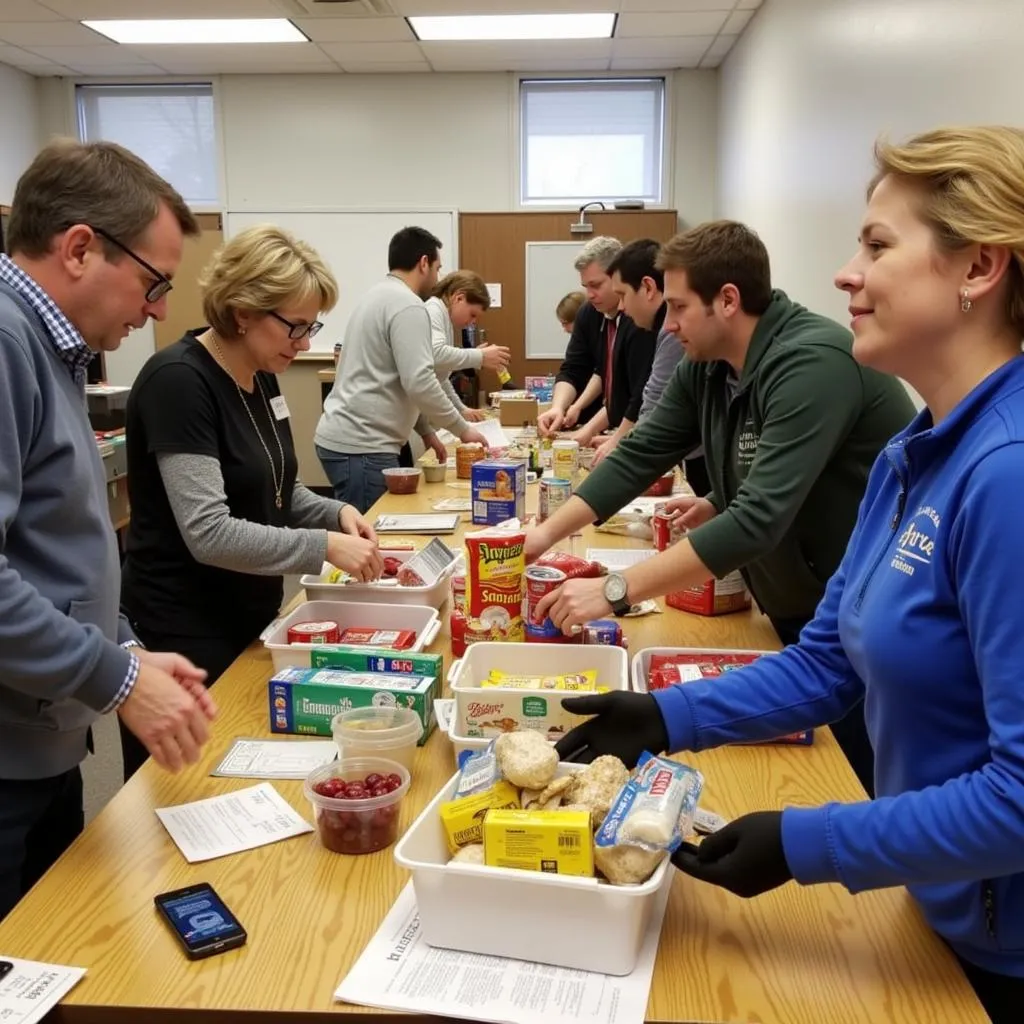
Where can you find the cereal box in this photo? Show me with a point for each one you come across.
(496, 711)
(499, 491)
(495, 566)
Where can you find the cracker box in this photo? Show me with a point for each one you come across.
(304, 700)
(497, 710)
(499, 491)
(376, 659)
(557, 842)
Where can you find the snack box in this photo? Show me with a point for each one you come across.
(556, 842)
(498, 491)
(304, 700)
(483, 713)
(422, 620)
(534, 905)
(376, 659)
(704, 663)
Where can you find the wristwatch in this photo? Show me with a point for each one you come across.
(615, 593)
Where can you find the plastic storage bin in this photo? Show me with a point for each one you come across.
(347, 613)
(457, 904)
(642, 660)
(382, 593)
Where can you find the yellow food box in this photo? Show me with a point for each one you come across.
(463, 818)
(558, 842)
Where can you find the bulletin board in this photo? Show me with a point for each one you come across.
(550, 275)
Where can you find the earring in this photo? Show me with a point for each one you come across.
(965, 301)
(241, 330)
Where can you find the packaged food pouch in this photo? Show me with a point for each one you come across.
(655, 809)
(478, 771)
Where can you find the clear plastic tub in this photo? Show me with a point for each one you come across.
(382, 591)
(382, 732)
(356, 826)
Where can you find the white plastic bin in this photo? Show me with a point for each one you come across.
(380, 593)
(347, 613)
(527, 915)
(642, 660)
(465, 675)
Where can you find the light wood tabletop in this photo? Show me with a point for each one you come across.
(793, 956)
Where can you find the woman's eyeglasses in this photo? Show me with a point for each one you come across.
(298, 331)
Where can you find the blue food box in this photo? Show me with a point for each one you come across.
(499, 491)
(542, 388)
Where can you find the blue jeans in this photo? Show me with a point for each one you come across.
(357, 479)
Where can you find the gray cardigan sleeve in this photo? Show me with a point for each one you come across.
(195, 490)
(313, 512)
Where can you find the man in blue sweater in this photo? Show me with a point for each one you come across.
(94, 239)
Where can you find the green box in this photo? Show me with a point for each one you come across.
(304, 700)
(376, 659)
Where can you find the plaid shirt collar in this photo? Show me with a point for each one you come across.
(65, 337)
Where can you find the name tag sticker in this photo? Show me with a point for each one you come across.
(280, 407)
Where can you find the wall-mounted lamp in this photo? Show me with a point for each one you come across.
(583, 226)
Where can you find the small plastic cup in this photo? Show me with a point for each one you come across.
(388, 732)
(357, 825)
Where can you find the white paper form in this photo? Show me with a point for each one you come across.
(275, 759)
(493, 432)
(617, 559)
(399, 971)
(231, 823)
(29, 990)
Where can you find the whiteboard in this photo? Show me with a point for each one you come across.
(354, 244)
(550, 275)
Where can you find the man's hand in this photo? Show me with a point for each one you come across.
(166, 717)
(471, 436)
(603, 449)
(574, 603)
(431, 440)
(352, 522)
(187, 675)
(584, 436)
(571, 417)
(550, 422)
(689, 511)
(496, 357)
(474, 415)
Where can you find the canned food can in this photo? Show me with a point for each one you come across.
(325, 632)
(565, 460)
(666, 529)
(459, 591)
(554, 493)
(603, 631)
(541, 580)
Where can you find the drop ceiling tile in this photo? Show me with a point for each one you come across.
(676, 6)
(45, 69)
(549, 52)
(720, 47)
(26, 10)
(748, 5)
(369, 53)
(649, 64)
(212, 58)
(15, 56)
(674, 48)
(410, 68)
(94, 56)
(736, 22)
(139, 70)
(650, 26)
(89, 9)
(356, 30)
(412, 7)
(51, 33)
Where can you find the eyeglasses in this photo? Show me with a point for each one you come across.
(160, 287)
(298, 331)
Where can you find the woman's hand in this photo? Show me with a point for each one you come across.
(352, 522)
(496, 357)
(358, 556)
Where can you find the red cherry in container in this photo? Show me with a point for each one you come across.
(356, 791)
(373, 780)
(394, 781)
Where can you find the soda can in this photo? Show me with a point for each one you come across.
(666, 530)
(603, 631)
(325, 632)
(554, 493)
(540, 581)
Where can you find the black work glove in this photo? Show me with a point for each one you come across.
(625, 724)
(746, 857)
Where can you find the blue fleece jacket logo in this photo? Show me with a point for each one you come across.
(917, 542)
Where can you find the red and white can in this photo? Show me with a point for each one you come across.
(540, 581)
(325, 632)
(666, 529)
(459, 591)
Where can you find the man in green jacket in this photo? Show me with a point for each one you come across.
(790, 425)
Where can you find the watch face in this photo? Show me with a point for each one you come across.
(615, 588)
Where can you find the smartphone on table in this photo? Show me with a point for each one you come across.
(201, 920)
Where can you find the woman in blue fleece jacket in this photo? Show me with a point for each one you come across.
(924, 618)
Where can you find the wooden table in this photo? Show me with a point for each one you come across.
(793, 956)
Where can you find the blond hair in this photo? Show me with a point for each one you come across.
(259, 270)
(568, 306)
(100, 184)
(971, 183)
(471, 285)
(601, 250)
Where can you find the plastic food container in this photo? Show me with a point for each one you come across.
(357, 825)
(381, 732)
(534, 906)
(402, 479)
(347, 614)
(382, 592)
(435, 473)
(641, 664)
(662, 487)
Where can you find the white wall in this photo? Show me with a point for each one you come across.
(809, 87)
(19, 127)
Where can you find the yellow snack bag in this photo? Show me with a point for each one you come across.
(462, 818)
(557, 842)
(568, 681)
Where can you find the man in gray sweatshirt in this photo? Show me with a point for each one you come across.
(94, 238)
(385, 385)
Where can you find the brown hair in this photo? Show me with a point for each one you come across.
(100, 184)
(718, 253)
(971, 187)
(568, 306)
(470, 284)
(259, 270)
